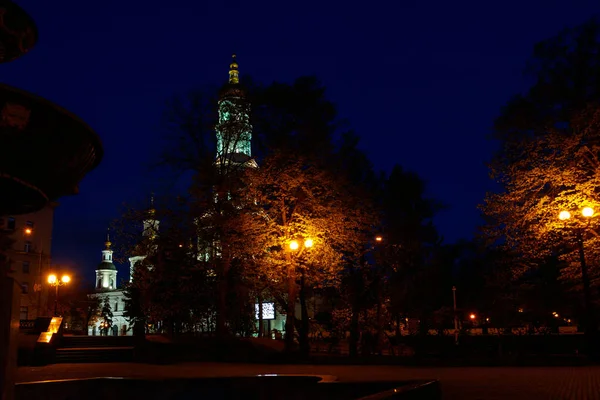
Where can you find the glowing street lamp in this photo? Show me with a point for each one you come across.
(289, 322)
(54, 281)
(472, 316)
(564, 215)
(590, 319)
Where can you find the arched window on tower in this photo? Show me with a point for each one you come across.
(99, 283)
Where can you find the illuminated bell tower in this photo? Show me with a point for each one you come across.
(106, 272)
(150, 222)
(234, 131)
(150, 231)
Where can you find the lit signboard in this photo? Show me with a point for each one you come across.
(268, 311)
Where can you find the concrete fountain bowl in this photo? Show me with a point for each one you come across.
(18, 33)
(47, 151)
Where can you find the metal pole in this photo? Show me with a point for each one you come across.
(56, 301)
(455, 316)
(590, 323)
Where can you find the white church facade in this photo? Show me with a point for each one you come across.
(106, 288)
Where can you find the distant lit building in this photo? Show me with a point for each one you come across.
(29, 258)
(106, 288)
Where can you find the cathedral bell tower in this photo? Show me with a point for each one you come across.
(234, 131)
(150, 231)
(150, 222)
(106, 272)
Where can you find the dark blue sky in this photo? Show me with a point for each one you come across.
(420, 81)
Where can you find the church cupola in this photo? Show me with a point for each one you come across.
(106, 272)
(234, 77)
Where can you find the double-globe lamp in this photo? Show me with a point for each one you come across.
(586, 212)
(53, 281)
(294, 244)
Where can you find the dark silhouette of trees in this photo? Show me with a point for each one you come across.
(548, 163)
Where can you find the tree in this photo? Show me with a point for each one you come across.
(106, 315)
(295, 199)
(410, 244)
(548, 160)
(549, 154)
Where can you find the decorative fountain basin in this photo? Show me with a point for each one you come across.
(48, 150)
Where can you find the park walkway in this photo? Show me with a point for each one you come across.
(492, 383)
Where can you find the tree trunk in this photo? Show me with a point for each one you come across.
(291, 307)
(260, 315)
(379, 332)
(222, 298)
(354, 334)
(304, 343)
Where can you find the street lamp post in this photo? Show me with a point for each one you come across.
(590, 320)
(291, 311)
(54, 281)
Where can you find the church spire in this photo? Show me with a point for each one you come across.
(107, 244)
(151, 211)
(233, 71)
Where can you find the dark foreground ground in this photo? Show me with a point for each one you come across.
(467, 383)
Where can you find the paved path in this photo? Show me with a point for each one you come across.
(457, 383)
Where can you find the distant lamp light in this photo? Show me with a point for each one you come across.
(52, 279)
(587, 212)
(378, 238)
(294, 245)
(520, 310)
(28, 231)
(564, 215)
(472, 316)
(65, 279)
(180, 245)
(308, 243)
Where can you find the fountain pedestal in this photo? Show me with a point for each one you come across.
(10, 296)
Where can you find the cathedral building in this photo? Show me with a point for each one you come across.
(234, 152)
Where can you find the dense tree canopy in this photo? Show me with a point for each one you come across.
(548, 160)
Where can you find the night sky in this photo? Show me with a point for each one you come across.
(420, 81)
